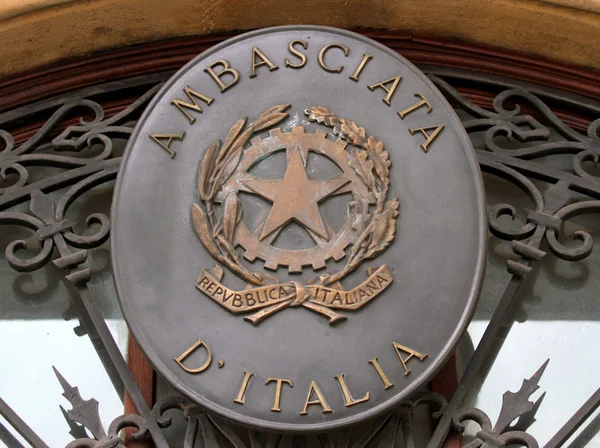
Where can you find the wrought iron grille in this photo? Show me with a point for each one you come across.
(538, 149)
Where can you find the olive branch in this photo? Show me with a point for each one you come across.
(371, 163)
(217, 165)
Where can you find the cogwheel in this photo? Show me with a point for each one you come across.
(316, 256)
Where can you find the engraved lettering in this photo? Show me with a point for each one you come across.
(348, 301)
(430, 137)
(383, 85)
(200, 343)
(227, 297)
(204, 281)
(348, 400)
(241, 396)
(238, 302)
(386, 382)
(324, 50)
(297, 53)
(366, 58)
(411, 353)
(278, 387)
(263, 61)
(320, 399)
(337, 298)
(373, 288)
(265, 298)
(169, 137)
(382, 280)
(415, 106)
(192, 95)
(227, 70)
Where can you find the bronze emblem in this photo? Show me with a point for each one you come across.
(350, 191)
(369, 229)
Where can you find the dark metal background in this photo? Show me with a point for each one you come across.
(565, 193)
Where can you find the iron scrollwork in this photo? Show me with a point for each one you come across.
(515, 406)
(522, 167)
(519, 164)
(48, 218)
(210, 430)
(82, 174)
(84, 414)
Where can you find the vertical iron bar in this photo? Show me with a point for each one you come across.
(20, 426)
(92, 333)
(484, 347)
(120, 365)
(477, 361)
(575, 421)
(407, 432)
(8, 439)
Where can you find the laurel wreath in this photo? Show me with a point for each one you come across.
(367, 157)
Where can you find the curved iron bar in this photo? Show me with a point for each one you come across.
(200, 424)
(517, 165)
(30, 264)
(498, 210)
(584, 249)
(543, 222)
(54, 230)
(55, 120)
(73, 138)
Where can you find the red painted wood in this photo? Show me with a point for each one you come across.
(169, 55)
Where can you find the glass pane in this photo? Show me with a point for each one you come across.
(557, 317)
(38, 327)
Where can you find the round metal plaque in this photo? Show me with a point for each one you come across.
(299, 229)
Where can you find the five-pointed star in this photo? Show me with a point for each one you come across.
(295, 197)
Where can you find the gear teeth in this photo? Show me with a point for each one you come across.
(319, 260)
(298, 130)
(341, 143)
(339, 255)
(318, 265)
(271, 265)
(295, 268)
(250, 256)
